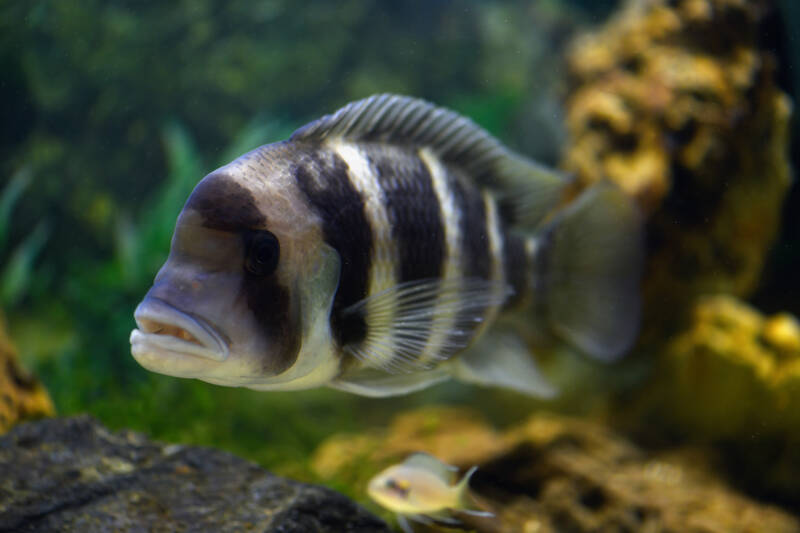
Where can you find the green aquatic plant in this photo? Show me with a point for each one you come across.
(16, 265)
(140, 247)
(103, 294)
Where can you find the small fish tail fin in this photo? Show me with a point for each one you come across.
(587, 266)
(462, 488)
(466, 502)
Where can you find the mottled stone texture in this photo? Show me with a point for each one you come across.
(732, 377)
(73, 474)
(21, 395)
(733, 372)
(677, 102)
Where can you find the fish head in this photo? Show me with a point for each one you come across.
(230, 305)
(408, 490)
(391, 489)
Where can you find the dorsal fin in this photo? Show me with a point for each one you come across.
(528, 189)
(434, 465)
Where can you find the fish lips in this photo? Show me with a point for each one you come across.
(165, 329)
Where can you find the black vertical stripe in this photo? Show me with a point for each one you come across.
(414, 215)
(474, 233)
(322, 176)
(542, 273)
(273, 310)
(515, 266)
(413, 210)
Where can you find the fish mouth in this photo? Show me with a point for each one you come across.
(164, 328)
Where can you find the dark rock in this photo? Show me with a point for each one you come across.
(73, 474)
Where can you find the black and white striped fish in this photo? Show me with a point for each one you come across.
(384, 248)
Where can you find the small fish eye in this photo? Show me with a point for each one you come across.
(401, 487)
(262, 252)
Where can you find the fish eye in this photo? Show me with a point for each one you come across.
(401, 487)
(262, 252)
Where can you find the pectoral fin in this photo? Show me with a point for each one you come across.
(401, 319)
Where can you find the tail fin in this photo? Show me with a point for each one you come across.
(588, 265)
(466, 505)
(463, 485)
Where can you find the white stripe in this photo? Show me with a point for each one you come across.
(385, 256)
(496, 246)
(531, 247)
(453, 262)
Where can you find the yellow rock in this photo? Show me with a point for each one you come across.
(21, 395)
(732, 374)
(782, 332)
(731, 377)
(667, 100)
(458, 434)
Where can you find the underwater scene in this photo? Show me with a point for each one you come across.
(427, 266)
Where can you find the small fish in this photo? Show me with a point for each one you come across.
(423, 489)
(385, 248)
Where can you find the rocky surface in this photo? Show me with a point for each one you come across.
(677, 101)
(733, 372)
(21, 395)
(731, 378)
(554, 474)
(73, 474)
